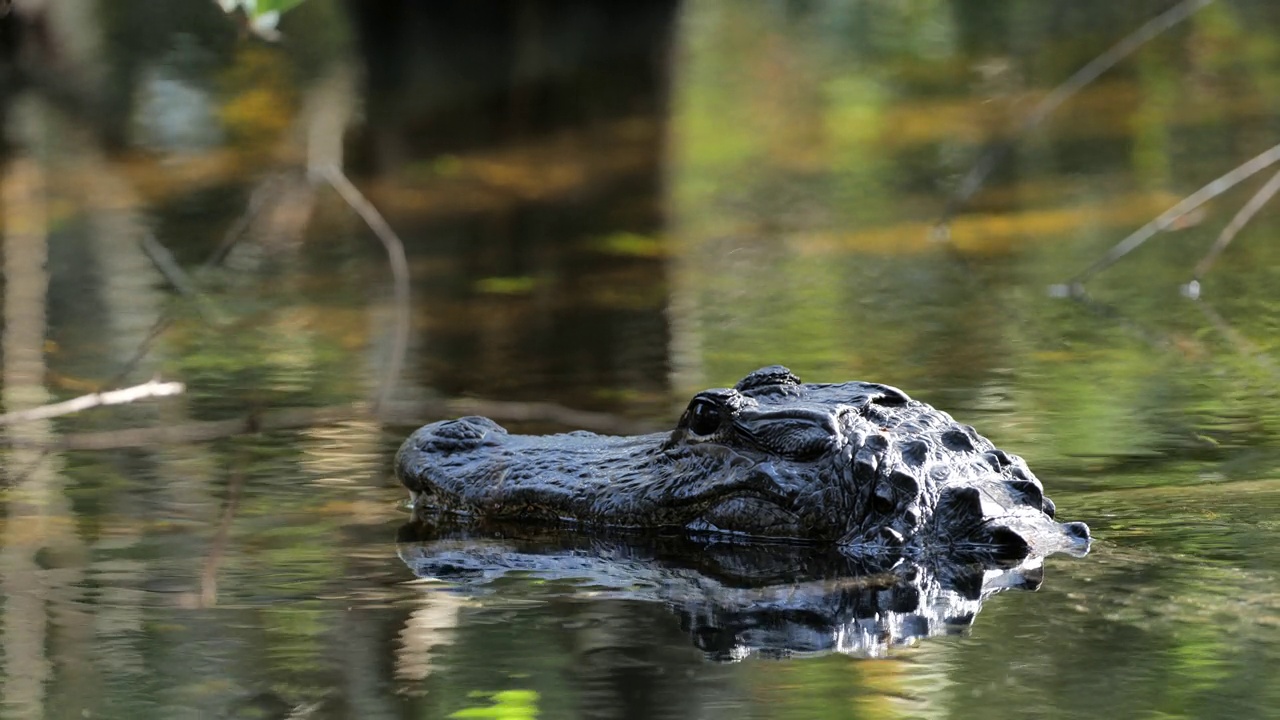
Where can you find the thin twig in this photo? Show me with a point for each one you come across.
(268, 190)
(152, 389)
(1113, 313)
(200, 431)
(1259, 163)
(165, 263)
(399, 274)
(1233, 228)
(162, 323)
(167, 266)
(218, 547)
(1082, 77)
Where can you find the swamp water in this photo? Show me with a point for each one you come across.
(610, 210)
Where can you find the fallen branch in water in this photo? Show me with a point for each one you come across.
(1257, 164)
(1251, 208)
(1082, 77)
(152, 389)
(208, 595)
(166, 265)
(405, 414)
(267, 192)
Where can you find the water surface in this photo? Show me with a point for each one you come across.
(610, 209)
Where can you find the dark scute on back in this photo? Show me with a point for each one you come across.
(772, 375)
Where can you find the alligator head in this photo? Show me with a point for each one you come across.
(860, 465)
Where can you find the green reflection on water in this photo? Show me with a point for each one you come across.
(811, 147)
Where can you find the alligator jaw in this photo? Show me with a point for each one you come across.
(473, 466)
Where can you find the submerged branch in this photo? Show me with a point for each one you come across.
(1232, 229)
(208, 596)
(1220, 185)
(152, 389)
(267, 191)
(167, 266)
(397, 414)
(1091, 71)
(399, 275)
(178, 278)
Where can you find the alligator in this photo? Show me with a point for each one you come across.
(858, 465)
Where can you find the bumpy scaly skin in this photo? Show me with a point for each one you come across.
(857, 464)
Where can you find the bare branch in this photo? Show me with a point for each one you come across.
(1241, 173)
(208, 595)
(268, 191)
(144, 391)
(405, 414)
(165, 263)
(1234, 227)
(399, 274)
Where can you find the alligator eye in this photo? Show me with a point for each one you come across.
(704, 417)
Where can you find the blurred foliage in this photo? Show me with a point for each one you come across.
(507, 705)
(811, 146)
(261, 98)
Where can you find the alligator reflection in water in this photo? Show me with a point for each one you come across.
(734, 599)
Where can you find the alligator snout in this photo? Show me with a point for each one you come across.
(981, 524)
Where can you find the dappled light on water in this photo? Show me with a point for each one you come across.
(257, 243)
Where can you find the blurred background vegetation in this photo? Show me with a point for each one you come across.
(608, 206)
